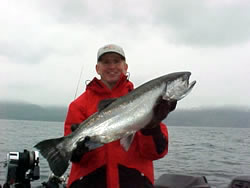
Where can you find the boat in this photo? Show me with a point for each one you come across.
(23, 168)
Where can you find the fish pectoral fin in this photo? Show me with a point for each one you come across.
(127, 141)
(104, 103)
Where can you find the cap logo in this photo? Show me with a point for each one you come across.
(109, 47)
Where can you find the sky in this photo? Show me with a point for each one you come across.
(48, 47)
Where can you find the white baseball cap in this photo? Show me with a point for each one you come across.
(110, 48)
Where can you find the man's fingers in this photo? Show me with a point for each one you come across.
(74, 127)
(172, 105)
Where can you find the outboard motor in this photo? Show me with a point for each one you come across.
(22, 167)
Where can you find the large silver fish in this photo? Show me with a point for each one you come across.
(118, 119)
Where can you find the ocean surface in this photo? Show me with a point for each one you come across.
(215, 152)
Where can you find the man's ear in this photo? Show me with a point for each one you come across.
(97, 69)
(125, 68)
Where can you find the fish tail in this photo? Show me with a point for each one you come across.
(57, 157)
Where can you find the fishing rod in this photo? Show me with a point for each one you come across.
(78, 82)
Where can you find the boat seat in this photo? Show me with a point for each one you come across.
(181, 181)
(240, 182)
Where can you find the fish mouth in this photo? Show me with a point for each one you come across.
(179, 87)
(186, 78)
(189, 86)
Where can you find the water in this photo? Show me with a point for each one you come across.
(217, 153)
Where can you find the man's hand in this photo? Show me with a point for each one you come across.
(74, 127)
(80, 150)
(161, 111)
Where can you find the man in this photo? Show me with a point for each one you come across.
(110, 165)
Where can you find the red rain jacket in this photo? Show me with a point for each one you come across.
(141, 152)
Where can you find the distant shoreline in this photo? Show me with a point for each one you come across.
(211, 116)
(30, 120)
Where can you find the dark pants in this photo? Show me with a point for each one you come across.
(128, 178)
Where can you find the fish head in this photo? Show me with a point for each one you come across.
(177, 85)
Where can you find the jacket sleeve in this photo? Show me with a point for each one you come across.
(75, 115)
(153, 143)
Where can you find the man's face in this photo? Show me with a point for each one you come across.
(110, 67)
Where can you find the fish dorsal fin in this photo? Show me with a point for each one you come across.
(104, 103)
(127, 141)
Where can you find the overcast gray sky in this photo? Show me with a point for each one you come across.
(44, 44)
